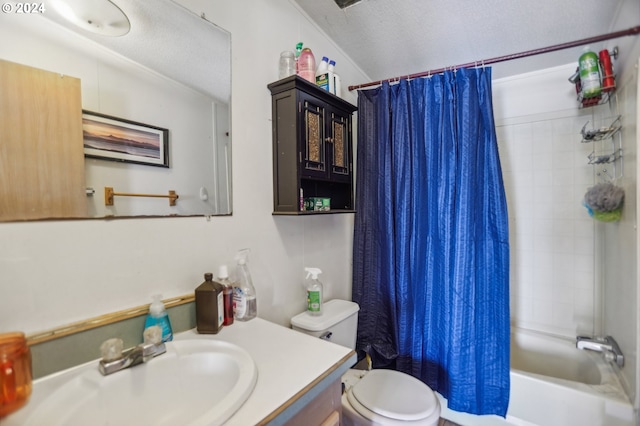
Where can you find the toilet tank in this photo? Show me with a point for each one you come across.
(339, 318)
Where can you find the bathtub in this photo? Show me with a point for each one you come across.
(555, 384)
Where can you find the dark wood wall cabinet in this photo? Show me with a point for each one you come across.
(312, 147)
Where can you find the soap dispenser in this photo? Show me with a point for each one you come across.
(158, 316)
(209, 306)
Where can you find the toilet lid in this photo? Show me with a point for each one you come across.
(395, 395)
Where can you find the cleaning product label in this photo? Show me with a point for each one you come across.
(167, 333)
(313, 301)
(589, 75)
(322, 81)
(163, 323)
(220, 309)
(240, 302)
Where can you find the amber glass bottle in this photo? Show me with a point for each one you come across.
(209, 306)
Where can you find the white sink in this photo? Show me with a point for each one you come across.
(196, 382)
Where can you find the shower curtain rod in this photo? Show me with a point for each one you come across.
(617, 34)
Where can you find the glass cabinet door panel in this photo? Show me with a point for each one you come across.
(340, 161)
(315, 148)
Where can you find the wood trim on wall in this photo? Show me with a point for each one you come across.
(103, 320)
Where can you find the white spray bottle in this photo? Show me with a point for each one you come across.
(244, 294)
(314, 291)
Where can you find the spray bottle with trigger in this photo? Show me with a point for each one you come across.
(244, 294)
(314, 291)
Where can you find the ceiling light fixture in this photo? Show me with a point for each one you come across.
(342, 4)
(96, 16)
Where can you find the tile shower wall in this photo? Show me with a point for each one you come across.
(546, 174)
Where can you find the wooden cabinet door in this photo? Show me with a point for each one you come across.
(41, 148)
(326, 141)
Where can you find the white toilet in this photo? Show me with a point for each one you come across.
(376, 397)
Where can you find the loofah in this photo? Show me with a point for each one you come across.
(604, 197)
(604, 202)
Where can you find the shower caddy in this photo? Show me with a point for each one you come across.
(607, 145)
(604, 133)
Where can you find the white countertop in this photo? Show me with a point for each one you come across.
(287, 361)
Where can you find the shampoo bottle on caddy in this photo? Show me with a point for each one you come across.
(589, 68)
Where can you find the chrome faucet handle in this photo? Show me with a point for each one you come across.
(615, 349)
(607, 345)
(111, 349)
(139, 354)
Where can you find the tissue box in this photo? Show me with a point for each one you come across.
(317, 204)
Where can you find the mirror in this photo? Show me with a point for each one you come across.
(171, 71)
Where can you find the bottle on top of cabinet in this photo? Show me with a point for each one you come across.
(324, 75)
(307, 65)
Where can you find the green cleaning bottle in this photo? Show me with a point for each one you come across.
(589, 69)
(314, 291)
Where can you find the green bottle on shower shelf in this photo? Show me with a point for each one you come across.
(589, 70)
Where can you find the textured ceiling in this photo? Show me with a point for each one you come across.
(173, 41)
(388, 38)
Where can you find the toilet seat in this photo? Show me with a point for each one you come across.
(384, 395)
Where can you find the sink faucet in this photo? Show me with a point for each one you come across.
(115, 359)
(607, 345)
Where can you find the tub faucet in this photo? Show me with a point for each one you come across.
(607, 345)
(115, 359)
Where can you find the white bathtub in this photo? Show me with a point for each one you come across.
(555, 384)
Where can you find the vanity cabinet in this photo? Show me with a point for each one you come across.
(323, 410)
(312, 147)
(41, 148)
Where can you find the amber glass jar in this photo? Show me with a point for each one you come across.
(15, 372)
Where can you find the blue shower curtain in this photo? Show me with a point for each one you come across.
(431, 240)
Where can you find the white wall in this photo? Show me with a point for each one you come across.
(618, 242)
(621, 281)
(54, 273)
(546, 173)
